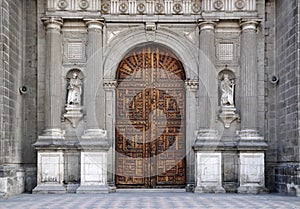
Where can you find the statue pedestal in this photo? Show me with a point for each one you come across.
(228, 115)
(73, 114)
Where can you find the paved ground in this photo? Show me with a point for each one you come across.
(151, 200)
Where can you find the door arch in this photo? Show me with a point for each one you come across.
(150, 119)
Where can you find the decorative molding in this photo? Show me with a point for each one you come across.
(150, 7)
(192, 84)
(110, 84)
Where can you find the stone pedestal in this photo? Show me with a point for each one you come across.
(94, 162)
(251, 174)
(50, 172)
(73, 114)
(208, 162)
(228, 115)
(251, 148)
(208, 172)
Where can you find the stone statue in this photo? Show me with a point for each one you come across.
(227, 88)
(74, 91)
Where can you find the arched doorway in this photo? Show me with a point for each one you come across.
(150, 120)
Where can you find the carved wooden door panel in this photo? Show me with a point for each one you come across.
(150, 131)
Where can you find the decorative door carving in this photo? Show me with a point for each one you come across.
(150, 128)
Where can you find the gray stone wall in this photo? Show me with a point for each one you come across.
(283, 97)
(17, 158)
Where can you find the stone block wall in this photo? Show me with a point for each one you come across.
(15, 149)
(283, 120)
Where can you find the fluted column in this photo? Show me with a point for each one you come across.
(207, 74)
(53, 85)
(93, 91)
(207, 139)
(249, 76)
(50, 171)
(251, 145)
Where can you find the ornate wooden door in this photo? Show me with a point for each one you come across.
(150, 129)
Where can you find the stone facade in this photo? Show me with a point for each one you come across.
(253, 43)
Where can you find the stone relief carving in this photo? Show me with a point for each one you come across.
(62, 4)
(240, 4)
(150, 7)
(83, 4)
(218, 4)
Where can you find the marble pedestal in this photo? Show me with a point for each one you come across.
(251, 148)
(50, 172)
(94, 162)
(208, 173)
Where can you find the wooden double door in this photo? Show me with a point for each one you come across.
(150, 120)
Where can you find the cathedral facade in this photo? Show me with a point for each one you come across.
(100, 95)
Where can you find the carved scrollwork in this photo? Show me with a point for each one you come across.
(159, 8)
(240, 4)
(196, 7)
(105, 8)
(141, 8)
(62, 4)
(123, 7)
(83, 4)
(177, 8)
(218, 4)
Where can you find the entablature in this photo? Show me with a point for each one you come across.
(156, 9)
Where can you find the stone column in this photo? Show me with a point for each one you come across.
(94, 143)
(93, 91)
(53, 84)
(207, 138)
(50, 156)
(251, 145)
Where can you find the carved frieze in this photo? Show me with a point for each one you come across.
(150, 7)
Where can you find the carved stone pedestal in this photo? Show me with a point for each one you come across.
(94, 162)
(208, 163)
(208, 172)
(73, 114)
(251, 148)
(50, 172)
(228, 115)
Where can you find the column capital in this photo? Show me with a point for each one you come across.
(96, 24)
(54, 23)
(249, 25)
(206, 24)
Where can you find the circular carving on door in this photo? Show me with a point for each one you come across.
(83, 4)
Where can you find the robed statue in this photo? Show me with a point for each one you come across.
(74, 91)
(227, 89)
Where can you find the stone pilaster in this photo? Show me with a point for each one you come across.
(207, 138)
(93, 91)
(251, 145)
(50, 156)
(94, 142)
(53, 85)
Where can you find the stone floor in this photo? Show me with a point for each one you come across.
(153, 200)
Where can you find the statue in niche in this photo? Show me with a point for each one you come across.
(227, 91)
(74, 91)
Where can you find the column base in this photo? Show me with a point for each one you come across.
(50, 137)
(209, 189)
(94, 139)
(49, 189)
(252, 189)
(206, 139)
(92, 189)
